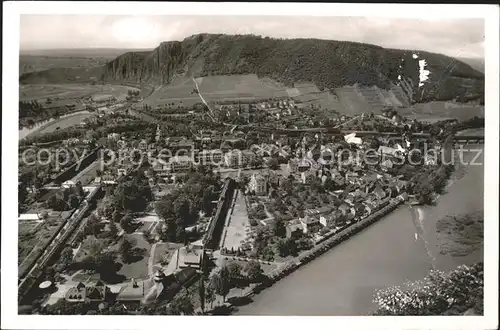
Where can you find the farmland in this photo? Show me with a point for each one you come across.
(33, 63)
(236, 88)
(67, 92)
(435, 111)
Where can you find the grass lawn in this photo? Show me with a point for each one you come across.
(138, 266)
(165, 249)
(82, 277)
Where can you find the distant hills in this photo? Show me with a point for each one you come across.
(327, 63)
(79, 52)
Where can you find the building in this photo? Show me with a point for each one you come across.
(351, 138)
(258, 184)
(190, 256)
(293, 228)
(329, 220)
(30, 217)
(210, 157)
(181, 163)
(132, 292)
(233, 159)
(389, 151)
(248, 157)
(143, 145)
(89, 293)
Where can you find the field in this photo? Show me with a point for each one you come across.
(66, 92)
(33, 237)
(32, 63)
(244, 88)
(435, 111)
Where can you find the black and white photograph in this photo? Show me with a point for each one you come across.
(286, 159)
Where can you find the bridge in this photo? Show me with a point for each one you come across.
(469, 139)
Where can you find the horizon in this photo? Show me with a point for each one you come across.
(459, 38)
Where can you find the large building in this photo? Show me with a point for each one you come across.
(258, 184)
(181, 163)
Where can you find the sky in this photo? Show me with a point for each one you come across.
(452, 37)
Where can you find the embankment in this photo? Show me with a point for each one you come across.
(326, 245)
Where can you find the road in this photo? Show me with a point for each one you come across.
(203, 100)
(60, 238)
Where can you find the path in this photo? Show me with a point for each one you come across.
(151, 259)
(210, 114)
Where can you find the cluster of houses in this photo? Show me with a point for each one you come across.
(185, 265)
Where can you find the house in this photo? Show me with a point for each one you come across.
(304, 166)
(209, 157)
(114, 136)
(258, 184)
(233, 159)
(345, 209)
(329, 220)
(132, 292)
(293, 165)
(180, 163)
(247, 157)
(379, 192)
(352, 139)
(190, 256)
(389, 151)
(309, 223)
(143, 145)
(89, 293)
(30, 217)
(386, 165)
(68, 184)
(293, 228)
(121, 171)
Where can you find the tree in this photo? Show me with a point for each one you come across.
(94, 248)
(439, 293)
(116, 216)
(67, 256)
(210, 295)
(221, 281)
(273, 164)
(253, 270)
(201, 293)
(235, 270)
(125, 249)
(182, 304)
(93, 225)
(279, 228)
(113, 230)
(126, 223)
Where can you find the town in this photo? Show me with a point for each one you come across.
(186, 209)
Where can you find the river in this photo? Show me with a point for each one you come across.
(342, 281)
(26, 131)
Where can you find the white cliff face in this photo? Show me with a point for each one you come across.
(423, 73)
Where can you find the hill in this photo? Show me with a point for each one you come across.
(476, 63)
(328, 64)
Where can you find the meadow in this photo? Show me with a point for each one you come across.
(33, 63)
(243, 88)
(67, 92)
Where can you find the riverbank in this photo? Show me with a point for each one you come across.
(26, 132)
(387, 253)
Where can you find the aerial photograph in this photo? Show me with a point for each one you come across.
(253, 165)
